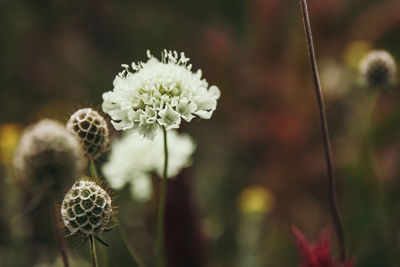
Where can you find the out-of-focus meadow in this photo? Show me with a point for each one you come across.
(259, 166)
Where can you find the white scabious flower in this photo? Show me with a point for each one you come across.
(133, 158)
(159, 93)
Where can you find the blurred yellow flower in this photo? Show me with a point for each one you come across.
(256, 199)
(9, 136)
(354, 52)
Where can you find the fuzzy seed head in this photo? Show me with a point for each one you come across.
(48, 156)
(378, 68)
(86, 209)
(92, 131)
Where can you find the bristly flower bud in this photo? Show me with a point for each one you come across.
(92, 131)
(86, 209)
(48, 156)
(378, 68)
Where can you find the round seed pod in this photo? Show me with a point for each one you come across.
(378, 68)
(86, 209)
(92, 131)
(48, 156)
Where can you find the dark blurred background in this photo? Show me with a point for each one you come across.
(259, 166)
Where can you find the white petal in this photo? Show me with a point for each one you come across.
(148, 130)
(169, 118)
(204, 114)
(186, 110)
(214, 92)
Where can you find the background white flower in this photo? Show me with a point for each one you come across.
(133, 158)
(159, 94)
(378, 68)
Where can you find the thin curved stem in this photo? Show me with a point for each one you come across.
(337, 221)
(92, 246)
(60, 240)
(132, 251)
(161, 207)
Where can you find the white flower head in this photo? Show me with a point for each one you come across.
(159, 93)
(133, 158)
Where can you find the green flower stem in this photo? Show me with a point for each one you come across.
(93, 170)
(92, 246)
(161, 207)
(366, 156)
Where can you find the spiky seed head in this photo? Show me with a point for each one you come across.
(86, 209)
(378, 68)
(48, 156)
(92, 131)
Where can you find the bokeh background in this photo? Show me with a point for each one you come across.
(259, 166)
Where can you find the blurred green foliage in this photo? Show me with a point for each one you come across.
(57, 55)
